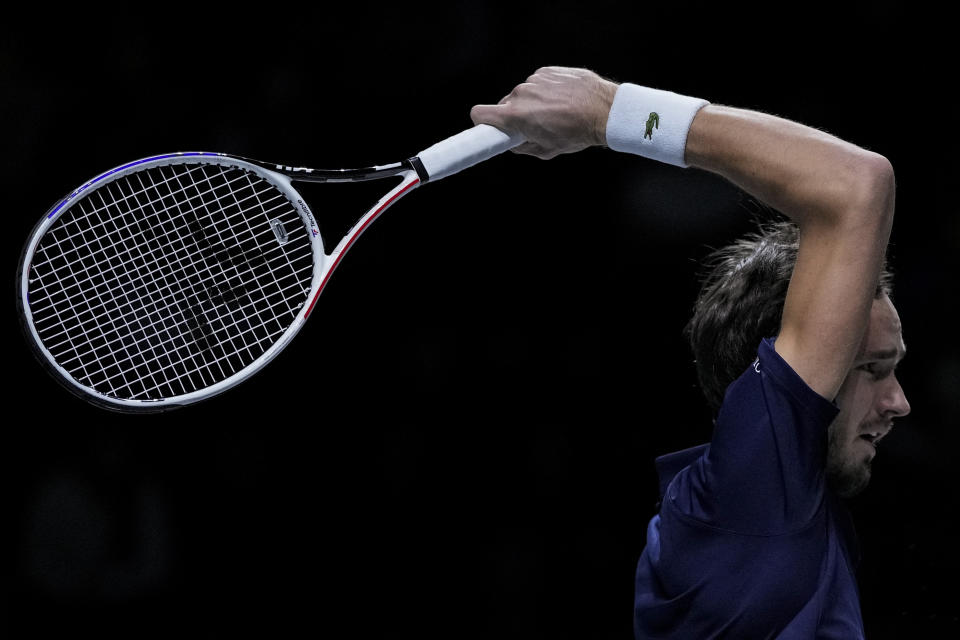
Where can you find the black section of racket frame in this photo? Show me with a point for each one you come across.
(307, 174)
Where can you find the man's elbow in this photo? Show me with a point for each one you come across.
(874, 190)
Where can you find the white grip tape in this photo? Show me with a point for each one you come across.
(466, 149)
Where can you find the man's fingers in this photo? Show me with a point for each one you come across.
(558, 110)
(492, 114)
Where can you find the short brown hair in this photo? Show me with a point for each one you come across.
(741, 303)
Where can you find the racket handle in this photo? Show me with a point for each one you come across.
(464, 150)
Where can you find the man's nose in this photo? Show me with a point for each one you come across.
(895, 403)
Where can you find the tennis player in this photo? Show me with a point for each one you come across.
(796, 342)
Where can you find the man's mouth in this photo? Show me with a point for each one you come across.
(874, 436)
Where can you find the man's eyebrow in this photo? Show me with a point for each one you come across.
(885, 354)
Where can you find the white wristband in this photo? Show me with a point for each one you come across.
(651, 123)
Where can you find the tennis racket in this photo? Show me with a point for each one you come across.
(173, 278)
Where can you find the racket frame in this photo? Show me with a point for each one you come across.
(282, 178)
(442, 159)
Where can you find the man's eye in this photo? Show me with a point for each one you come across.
(875, 370)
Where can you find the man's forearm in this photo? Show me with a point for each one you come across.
(800, 171)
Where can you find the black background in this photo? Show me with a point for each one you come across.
(460, 442)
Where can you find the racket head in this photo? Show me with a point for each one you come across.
(170, 279)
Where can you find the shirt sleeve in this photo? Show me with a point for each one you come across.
(764, 473)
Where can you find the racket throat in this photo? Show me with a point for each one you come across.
(331, 261)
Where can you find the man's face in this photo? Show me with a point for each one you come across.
(869, 400)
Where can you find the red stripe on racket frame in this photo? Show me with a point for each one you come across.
(356, 234)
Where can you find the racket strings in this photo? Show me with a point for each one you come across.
(80, 287)
(140, 236)
(100, 297)
(169, 280)
(233, 337)
(65, 360)
(236, 328)
(81, 356)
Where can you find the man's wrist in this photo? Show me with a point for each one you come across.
(606, 93)
(651, 123)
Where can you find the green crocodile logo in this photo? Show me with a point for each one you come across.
(652, 122)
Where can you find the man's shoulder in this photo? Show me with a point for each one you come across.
(770, 386)
(670, 464)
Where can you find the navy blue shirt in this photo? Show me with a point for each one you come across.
(750, 542)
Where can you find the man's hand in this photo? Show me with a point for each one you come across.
(558, 110)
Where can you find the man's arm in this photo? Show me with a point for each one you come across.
(841, 197)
